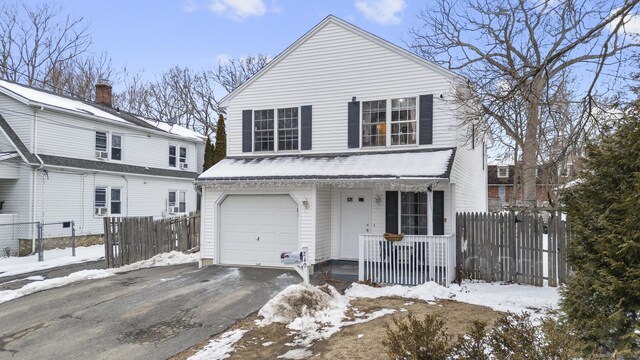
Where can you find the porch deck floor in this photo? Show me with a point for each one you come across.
(342, 270)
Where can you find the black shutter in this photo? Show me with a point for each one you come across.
(391, 212)
(426, 119)
(353, 125)
(305, 127)
(246, 131)
(438, 213)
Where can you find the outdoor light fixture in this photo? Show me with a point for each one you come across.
(305, 203)
(378, 199)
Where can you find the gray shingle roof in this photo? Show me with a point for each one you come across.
(22, 149)
(114, 167)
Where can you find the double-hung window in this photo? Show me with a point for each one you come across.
(288, 129)
(107, 200)
(172, 155)
(374, 123)
(183, 157)
(413, 214)
(177, 202)
(100, 201)
(116, 147)
(104, 141)
(403, 121)
(263, 130)
(395, 119)
(503, 172)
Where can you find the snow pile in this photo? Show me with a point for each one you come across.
(313, 312)
(499, 297)
(165, 259)
(220, 347)
(296, 354)
(17, 265)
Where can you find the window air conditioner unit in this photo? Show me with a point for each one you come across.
(174, 209)
(101, 211)
(102, 155)
(184, 166)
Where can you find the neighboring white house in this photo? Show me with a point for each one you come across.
(340, 135)
(64, 159)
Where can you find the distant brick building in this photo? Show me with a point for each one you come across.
(500, 182)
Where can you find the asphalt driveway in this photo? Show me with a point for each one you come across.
(145, 314)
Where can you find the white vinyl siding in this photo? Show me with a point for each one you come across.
(328, 70)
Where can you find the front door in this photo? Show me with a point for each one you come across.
(355, 210)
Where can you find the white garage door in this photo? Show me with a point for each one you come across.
(255, 229)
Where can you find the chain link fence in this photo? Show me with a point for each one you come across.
(23, 243)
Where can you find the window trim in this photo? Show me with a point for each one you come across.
(388, 122)
(400, 213)
(176, 202)
(276, 130)
(561, 173)
(111, 147)
(498, 168)
(183, 160)
(107, 200)
(175, 156)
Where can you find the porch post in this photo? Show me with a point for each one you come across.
(430, 212)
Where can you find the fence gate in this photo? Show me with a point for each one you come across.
(27, 242)
(506, 247)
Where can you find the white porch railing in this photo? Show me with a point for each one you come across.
(414, 260)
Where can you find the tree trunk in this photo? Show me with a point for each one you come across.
(531, 146)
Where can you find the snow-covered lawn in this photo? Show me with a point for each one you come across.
(313, 313)
(166, 259)
(52, 258)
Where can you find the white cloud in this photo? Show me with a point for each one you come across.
(631, 24)
(385, 12)
(189, 6)
(238, 9)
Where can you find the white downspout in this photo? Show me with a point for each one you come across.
(34, 187)
(127, 197)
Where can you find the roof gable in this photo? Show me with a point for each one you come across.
(346, 26)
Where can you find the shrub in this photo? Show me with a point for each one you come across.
(418, 340)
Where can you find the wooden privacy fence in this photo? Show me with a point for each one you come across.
(131, 239)
(506, 247)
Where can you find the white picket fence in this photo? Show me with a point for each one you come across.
(414, 260)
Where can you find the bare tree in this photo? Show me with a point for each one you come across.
(179, 94)
(38, 41)
(232, 73)
(78, 76)
(523, 52)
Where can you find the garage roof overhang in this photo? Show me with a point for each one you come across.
(409, 167)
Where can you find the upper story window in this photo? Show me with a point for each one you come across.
(395, 119)
(116, 147)
(183, 158)
(263, 125)
(374, 123)
(103, 142)
(503, 172)
(403, 121)
(172, 155)
(288, 129)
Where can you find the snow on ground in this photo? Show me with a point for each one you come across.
(165, 259)
(499, 297)
(17, 265)
(220, 347)
(315, 313)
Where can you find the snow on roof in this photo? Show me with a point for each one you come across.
(174, 129)
(407, 164)
(500, 161)
(46, 98)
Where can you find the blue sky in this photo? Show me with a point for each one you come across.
(155, 35)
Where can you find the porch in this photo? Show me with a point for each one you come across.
(413, 260)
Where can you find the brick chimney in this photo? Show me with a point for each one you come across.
(103, 92)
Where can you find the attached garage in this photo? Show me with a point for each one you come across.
(255, 229)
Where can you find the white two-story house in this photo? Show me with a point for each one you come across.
(341, 135)
(63, 159)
